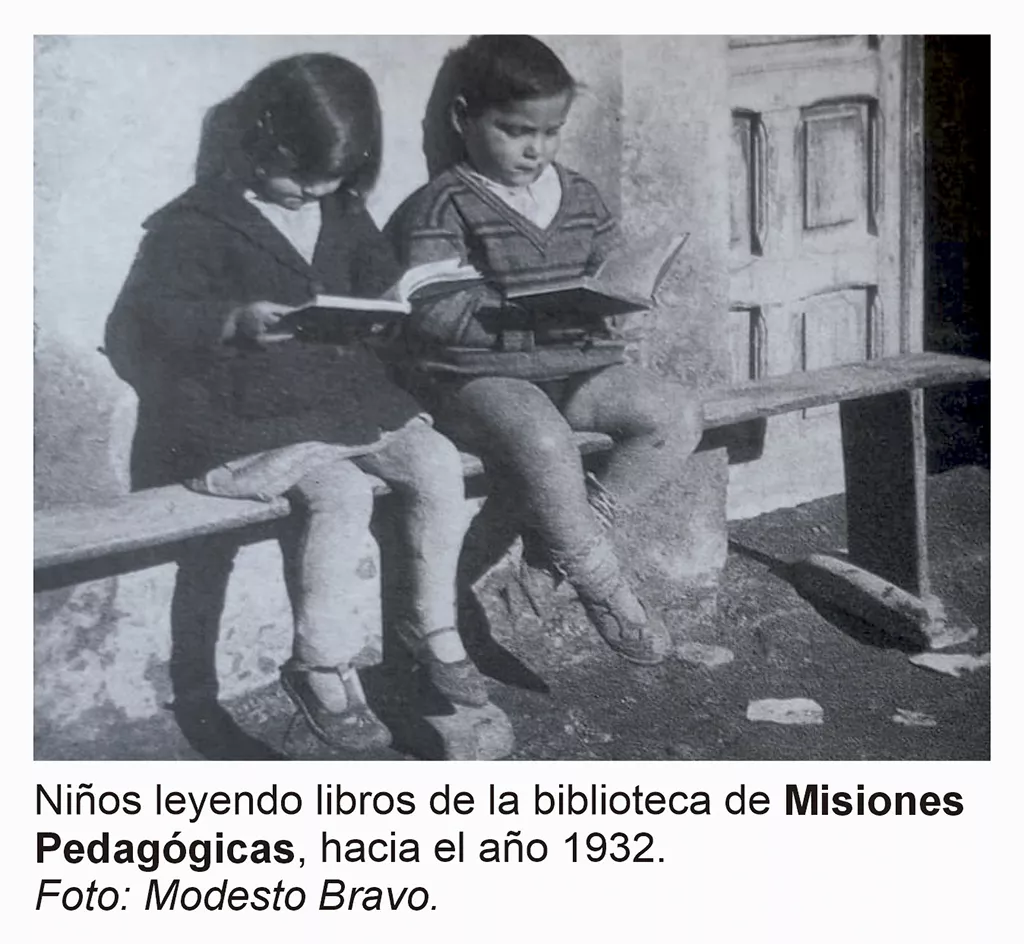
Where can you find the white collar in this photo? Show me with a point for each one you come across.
(538, 201)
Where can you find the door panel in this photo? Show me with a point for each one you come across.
(741, 190)
(816, 242)
(834, 330)
(835, 167)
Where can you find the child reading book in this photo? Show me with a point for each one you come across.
(219, 267)
(528, 223)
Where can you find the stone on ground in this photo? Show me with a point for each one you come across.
(951, 663)
(786, 711)
(914, 719)
(699, 653)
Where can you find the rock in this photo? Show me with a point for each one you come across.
(850, 589)
(786, 711)
(474, 733)
(951, 663)
(914, 719)
(699, 653)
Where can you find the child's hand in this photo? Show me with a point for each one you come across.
(625, 328)
(250, 322)
(476, 334)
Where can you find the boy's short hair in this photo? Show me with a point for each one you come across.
(493, 71)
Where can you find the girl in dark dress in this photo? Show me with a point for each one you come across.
(231, 414)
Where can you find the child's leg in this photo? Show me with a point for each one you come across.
(519, 432)
(338, 502)
(656, 425)
(425, 471)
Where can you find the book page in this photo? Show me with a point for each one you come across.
(432, 273)
(356, 305)
(640, 267)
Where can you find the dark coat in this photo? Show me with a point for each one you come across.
(202, 402)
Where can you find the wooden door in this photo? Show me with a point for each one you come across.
(825, 241)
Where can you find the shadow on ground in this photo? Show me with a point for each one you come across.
(588, 704)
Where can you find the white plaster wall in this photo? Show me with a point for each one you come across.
(675, 136)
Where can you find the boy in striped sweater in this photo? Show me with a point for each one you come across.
(523, 220)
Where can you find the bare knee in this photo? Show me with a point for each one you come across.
(516, 421)
(534, 446)
(336, 486)
(549, 443)
(430, 466)
(436, 457)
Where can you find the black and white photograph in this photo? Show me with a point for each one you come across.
(527, 397)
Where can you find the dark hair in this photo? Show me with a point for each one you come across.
(313, 116)
(492, 71)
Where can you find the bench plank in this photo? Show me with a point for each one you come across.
(71, 533)
(67, 534)
(774, 395)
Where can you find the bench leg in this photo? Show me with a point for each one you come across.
(884, 457)
(200, 590)
(885, 580)
(198, 603)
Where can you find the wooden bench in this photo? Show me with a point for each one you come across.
(883, 439)
(883, 579)
(883, 445)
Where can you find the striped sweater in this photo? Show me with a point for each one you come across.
(456, 216)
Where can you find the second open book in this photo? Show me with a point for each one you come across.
(626, 282)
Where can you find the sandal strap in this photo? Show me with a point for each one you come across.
(347, 675)
(418, 642)
(341, 670)
(443, 631)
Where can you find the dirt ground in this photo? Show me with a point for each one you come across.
(577, 700)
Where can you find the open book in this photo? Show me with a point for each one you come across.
(334, 316)
(626, 282)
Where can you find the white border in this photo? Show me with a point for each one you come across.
(730, 879)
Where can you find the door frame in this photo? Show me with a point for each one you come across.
(912, 203)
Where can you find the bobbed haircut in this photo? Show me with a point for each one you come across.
(492, 71)
(313, 116)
